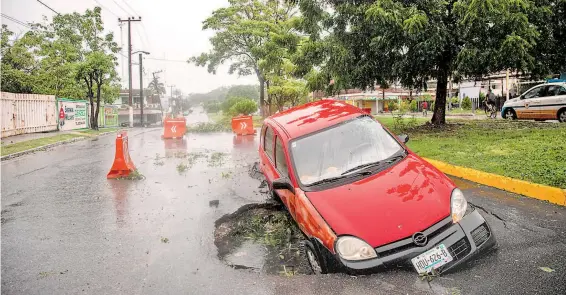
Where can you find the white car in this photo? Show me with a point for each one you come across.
(542, 102)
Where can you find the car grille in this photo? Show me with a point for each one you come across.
(458, 251)
(480, 234)
(407, 243)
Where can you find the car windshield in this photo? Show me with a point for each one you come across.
(335, 151)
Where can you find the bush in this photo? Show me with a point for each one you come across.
(392, 105)
(404, 106)
(413, 106)
(467, 103)
(229, 103)
(243, 106)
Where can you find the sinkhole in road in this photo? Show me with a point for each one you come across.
(262, 238)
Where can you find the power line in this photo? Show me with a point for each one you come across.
(17, 21)
(119, 6)
(145, 33)
(130, 7)
(48, 7)
(105, 8)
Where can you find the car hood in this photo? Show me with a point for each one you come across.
(406, 198)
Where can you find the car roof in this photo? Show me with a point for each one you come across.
(313, 116)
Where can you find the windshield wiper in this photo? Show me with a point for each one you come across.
(334, 179)
(326, 180)
(362, 166)
(395, 158)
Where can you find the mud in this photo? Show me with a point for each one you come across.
(262, 238)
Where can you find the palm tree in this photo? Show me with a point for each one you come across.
(156, 87)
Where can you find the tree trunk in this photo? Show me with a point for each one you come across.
(261, 95)
(97, 106)
(269, 100)
(91, 99)
(439, 115)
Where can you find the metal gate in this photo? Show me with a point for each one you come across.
(28, 113)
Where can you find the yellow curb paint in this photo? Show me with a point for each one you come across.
(537, 191)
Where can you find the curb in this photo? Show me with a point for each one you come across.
(532, 190)
(44, 147)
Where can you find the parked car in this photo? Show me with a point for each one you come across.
(362, 199)
(542, 102)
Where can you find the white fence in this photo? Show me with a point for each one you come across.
(28, 113)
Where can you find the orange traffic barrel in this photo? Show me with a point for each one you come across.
(174, 127)
(243, 125)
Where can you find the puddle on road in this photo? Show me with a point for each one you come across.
(263, 238)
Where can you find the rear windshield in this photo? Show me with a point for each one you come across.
(329, 153)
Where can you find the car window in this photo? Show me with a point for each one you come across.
(534, 93)
(280, 161)
(561, 91)
(333, 151)
(552, 90)
(268, 142)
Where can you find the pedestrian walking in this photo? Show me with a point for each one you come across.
(425, 107)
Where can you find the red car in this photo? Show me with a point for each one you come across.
(361, 197)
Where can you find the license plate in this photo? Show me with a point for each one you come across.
(432, 259)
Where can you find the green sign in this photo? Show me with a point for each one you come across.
(110, 115)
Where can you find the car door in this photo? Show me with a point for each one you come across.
(530, 99)
(267, 154)
(551, 103)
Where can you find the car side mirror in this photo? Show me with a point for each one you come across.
(283, 183)
(404, 138)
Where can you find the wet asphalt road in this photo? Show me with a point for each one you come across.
(66, 229)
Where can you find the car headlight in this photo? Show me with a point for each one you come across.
(458, 205)
(351, 248)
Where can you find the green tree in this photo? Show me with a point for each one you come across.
(18, 63)
(247, 91)
(375, 42)
(392, 105)
(287, 91)
(241, 33)
(97, 65)
(243, 106)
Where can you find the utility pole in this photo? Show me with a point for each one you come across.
(141, 87)
(130, 20)
(141, 81)
(172, 100)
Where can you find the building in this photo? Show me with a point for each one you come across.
(151, 108)
(376, 101)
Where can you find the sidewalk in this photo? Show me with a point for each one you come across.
(18, 145)
(31, 136)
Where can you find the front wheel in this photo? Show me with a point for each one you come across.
(562, 116)
(319, 258)
(510, 115)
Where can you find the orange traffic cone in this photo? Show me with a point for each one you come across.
(123, 164)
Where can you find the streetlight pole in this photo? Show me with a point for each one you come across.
(141, 83)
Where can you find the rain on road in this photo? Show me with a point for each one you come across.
(66, 229)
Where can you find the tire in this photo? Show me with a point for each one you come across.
(510, 114)
(319, 259)
(562, 116)
(274, 196)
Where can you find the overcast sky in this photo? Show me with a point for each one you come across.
(171, 30)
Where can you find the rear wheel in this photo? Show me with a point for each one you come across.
(562, 115)
(510, 114)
